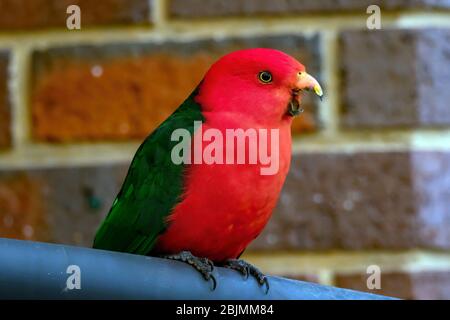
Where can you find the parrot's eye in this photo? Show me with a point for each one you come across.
(265, 77)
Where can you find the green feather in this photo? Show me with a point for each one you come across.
(152, 187)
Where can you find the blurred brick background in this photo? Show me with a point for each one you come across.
(370, 178)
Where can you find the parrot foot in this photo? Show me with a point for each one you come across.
(247, 269)
(202, 265)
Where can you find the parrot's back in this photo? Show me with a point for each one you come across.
(152, 187)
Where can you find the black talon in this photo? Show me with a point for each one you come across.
(246, 272)
(266, 282)
(247, 269)
(202, 265)
(214, 283)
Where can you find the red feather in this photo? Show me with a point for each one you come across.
(226, 206)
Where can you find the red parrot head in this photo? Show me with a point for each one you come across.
(262, 85)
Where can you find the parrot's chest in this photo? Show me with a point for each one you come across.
(225, 207)
(221, 219)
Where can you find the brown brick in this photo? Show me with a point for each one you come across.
(5, 109)
(413, 285)
(62, 205)
(395, 78)
(21, 208)
(372, 200)
(215, 8)
(124, 91)
(34, 14)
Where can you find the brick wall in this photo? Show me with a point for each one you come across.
(370, 177)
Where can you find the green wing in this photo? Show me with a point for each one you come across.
(153, 186)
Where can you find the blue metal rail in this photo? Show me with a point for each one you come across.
(34, 270)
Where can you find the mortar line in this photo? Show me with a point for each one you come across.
(103, 153)
(190, 30)
(328, 263)
(19, 88)
(329, 107)
(159, 14)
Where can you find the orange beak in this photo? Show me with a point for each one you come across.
(308, 82)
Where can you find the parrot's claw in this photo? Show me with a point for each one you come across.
(247, 269)
(202, 265)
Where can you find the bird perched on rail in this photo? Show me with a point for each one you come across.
(205, 212)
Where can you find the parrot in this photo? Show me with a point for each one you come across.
(206, 214)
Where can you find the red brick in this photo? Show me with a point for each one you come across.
(395, 78)
(368, 200)
(64, 205)
(5, 109)
(139, 85)
(223, 8)
(22, 208)
(34, 14)
(130, 98)
(412, 285)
